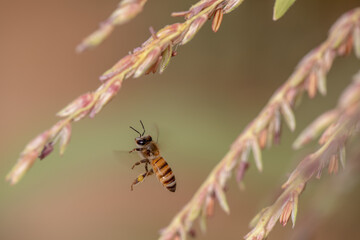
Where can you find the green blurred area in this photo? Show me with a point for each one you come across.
(211, 90)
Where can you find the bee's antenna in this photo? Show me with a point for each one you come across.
(143, 128)
(135, 130)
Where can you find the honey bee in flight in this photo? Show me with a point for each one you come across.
(150, 154)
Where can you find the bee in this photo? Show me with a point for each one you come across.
(150, 154)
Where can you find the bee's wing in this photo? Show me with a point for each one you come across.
(156, 127)
(125, 156)
(155, 132)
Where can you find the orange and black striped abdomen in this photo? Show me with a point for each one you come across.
(164, 173)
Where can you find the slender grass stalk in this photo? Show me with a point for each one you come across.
(154, 54)
(265, 129)
(328, 155)
(126, 10)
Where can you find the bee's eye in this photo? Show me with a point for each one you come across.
(140, 142)
(150, 139)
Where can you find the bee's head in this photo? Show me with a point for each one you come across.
(141, 141)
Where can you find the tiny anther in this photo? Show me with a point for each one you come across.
(218, 16)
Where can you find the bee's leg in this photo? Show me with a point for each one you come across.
(141, 178)
(141, 161)
(136, 150)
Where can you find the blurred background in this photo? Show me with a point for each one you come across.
(211, 90)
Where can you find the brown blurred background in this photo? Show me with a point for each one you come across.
(214, 87)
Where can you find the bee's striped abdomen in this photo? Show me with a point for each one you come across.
(164, 173)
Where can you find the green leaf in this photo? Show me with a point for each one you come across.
(280, 8)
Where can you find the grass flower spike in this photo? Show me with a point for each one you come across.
(265, 129)
(126, 10)
(152, 56)
(332, 151)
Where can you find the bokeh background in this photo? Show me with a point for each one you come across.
(215, 86)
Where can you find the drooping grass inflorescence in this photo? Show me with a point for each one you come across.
(152, 56)
(126, 10)
(330, 155)
(327, 197)
(265, 129)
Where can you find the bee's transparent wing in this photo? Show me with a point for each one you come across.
(157, 132)
(124, 156)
